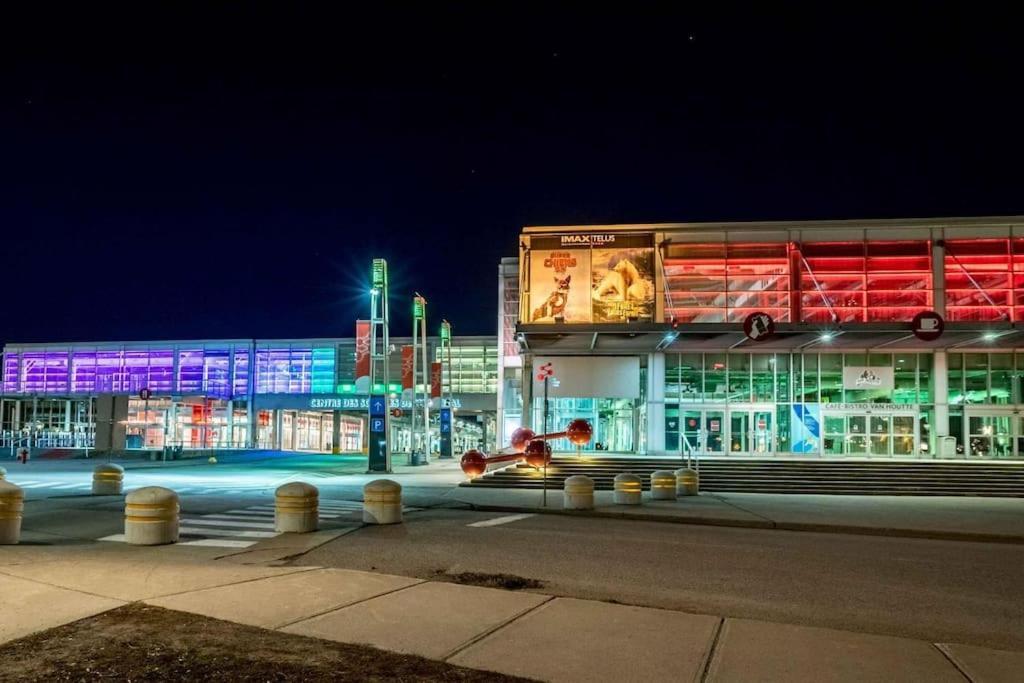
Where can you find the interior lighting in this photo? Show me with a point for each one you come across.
(990, 336)
(826, 337)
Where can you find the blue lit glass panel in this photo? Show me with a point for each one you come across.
(190, 371)
(323, 370)
(241, 378)
(217, 372)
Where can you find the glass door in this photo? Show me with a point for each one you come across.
(751, 432)
(991, 435)
(871, 436)
(703, 432)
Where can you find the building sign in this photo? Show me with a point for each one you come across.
(861, 377)
(758, 326)
(928, 325)
(363, 355)
(600, 278)
(876, 408)
(363, 402)
(806, 427)
(407, 362)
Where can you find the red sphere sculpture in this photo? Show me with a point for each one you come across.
(521, 437)
(474, 463)
(538, 453)
(579, 432)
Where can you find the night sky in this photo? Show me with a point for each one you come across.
(177, 171)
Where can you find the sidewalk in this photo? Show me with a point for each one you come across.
(998, 520)
(521, 633)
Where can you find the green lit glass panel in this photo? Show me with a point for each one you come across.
(322, 372)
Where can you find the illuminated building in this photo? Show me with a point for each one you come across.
(657, 312)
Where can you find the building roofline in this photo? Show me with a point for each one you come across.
(938, 222)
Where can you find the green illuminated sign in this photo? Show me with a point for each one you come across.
(418, 305)
(446, 331)
(379, 272)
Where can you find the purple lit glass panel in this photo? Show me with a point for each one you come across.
(56, 369)
(240, 386)
(109, 372)
(10, 378)
(136, 366)
(161, 371)
(190, 371)
(33, 372)
(83, 372)
(300, 368)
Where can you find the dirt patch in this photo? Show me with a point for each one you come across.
(142, 643)
(509, 582)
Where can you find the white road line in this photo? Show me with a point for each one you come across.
(225, 532)
(36, 485)
(240, 515)
(116, 538)
(25, 483)
(64, 486)
(501, 520)
(254, 513)
(220, 543)
(228, 523)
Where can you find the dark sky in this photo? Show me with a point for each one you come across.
(177, 170)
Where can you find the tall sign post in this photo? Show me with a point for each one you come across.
(545, 374)
(379, 418)
(420, 371)
(445, 421)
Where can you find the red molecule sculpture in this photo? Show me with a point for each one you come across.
(527, 445)
(521, 437)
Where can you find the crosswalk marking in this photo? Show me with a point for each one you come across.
(228, 523)
(501, 520)
(238, 533)
(220, 543)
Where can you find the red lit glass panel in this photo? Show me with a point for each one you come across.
(865, 281)
(980, 279)
(719, 282)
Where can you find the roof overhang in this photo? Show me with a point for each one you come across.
(628, 338)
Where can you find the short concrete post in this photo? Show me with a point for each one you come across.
(663, 485)
(151, 516)
(578, 493)
(296, 508)
(3, 473)
(107, 480)
(628, 489)
(12, 504)
(687, 483)
(382, 502)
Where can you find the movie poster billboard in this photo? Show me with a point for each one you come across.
(559, 282)
(622, 279)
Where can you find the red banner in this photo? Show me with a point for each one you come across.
(435, 380)
(362, 348)
(407, 357)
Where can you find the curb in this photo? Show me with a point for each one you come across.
(812, 527)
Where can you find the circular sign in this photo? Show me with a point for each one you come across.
(758, 326)
(144, 394)
(396, 412)
(928, 325)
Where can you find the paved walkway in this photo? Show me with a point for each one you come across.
(523, 633)
(953, 518)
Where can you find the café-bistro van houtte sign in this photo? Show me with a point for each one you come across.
(591, 278)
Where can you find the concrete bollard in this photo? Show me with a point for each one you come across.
(578, 493)
(151, 516)
(629, 489)
(382, 502)
(3, 473)
(663, 485)
(687, 482)
(107, 480)
(12, 504)
(296, 508)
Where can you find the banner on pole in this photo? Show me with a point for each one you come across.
(407, 359)
(363, 356)
(435, 380)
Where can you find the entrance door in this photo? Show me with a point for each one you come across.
(751, 432)
(703, 432)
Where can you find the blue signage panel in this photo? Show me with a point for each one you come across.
(378, 434)
(445, 427)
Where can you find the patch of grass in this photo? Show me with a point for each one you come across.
(509, 582)
(142, 643)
